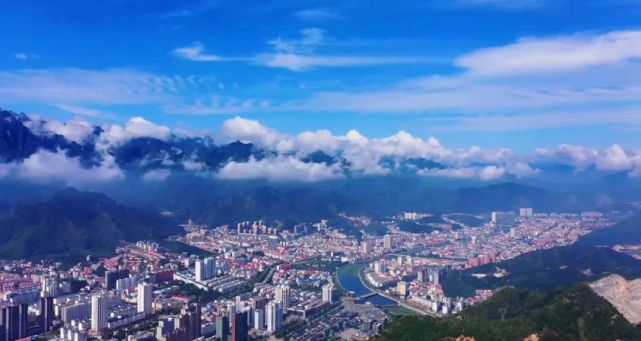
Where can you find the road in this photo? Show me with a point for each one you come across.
(269, 275)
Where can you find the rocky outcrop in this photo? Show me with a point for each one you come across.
(622, 294)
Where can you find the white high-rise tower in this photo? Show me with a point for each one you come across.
(274, 316)
(98, 312)
(283, 295)
(387, 242)
(145, 298)
(327, 293)
(199, 270)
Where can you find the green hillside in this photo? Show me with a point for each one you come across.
(552, 269)
(73, 224)
(513, 314)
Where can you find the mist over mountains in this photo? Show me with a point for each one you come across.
(125, 175)
(263, 174)
(77, 152)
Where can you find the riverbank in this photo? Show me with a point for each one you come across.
(383, 295)
(348, 277)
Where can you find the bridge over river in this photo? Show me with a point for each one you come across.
(349, 279)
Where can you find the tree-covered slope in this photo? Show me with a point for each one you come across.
(72, 224)
(513, 314)
(551, 269)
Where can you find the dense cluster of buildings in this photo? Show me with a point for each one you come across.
(260, 281)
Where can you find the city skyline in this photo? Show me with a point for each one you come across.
(297, 170)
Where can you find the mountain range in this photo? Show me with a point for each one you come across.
(22, 137)
(159, 170)
(147, 165)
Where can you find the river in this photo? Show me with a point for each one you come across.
(348, 278)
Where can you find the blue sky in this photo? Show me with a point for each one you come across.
(520, 74)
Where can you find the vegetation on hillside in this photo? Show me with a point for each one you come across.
(513, 314)
(552, 269)
(73, 224)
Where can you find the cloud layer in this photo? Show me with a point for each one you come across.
(308, 156)
(45, 166)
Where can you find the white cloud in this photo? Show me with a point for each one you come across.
(74, 86)
(299, 62)
(46, 166)
(193, 166)
(196, 52)
(247, 130)
(541, 120)
(74, 130)
(636, 171)
(485, 98)
(364, 154)
(491, 172)
(576, 156)
(593, 88)
(139, 127)
(279, 169)
(310, 141)
(136, 127)
(300, 54)
(310, 38)
(78, 110)
(25, 56)
(355, 154)
(614, 159)
(218, 105)
(156, 175)
(521, 170)
(530, 55)
(315, 14)
(487, 173)
(295, 54)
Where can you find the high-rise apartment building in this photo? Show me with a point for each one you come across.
(259, 319)
(526, 212)
(401, 287)
(199, 270)
(274, 316)
(145, 298)
(387, 242)
(222, 328)
(282, 294)
(45, 319)
(13, 322)
(423, 275)
(98, 312)
(239, 327)
(327, 293)
(111, 277)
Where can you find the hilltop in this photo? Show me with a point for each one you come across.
(552, 269)
(72, 224)
(514, 314)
